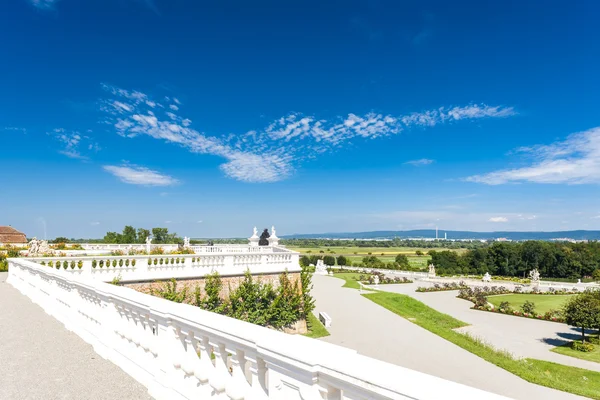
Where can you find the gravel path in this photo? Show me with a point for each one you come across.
(40, 359)
(374, 331)
(521, 336)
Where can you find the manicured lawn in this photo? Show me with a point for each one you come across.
(568, 351)
(316, 328)
(351, 279)
(543, 303)
(569, 379)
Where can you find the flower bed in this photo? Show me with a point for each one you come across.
(443, 287)
(549, 316)
(383, 280)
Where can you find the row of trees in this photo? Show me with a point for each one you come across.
(552, 259)
(401, 261)
(139, 235)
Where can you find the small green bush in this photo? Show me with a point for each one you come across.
(585, 347)
(528, 307)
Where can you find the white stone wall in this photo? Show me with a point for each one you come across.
(169, 348)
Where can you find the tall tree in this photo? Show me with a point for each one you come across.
(129, 235)
(160, 235)
(142, 234)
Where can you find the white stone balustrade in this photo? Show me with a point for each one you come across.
(179, 351)
(263, 260)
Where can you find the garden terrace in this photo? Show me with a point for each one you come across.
(182, 352)
(227, 261)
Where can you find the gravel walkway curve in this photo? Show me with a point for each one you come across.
(40, 359)
(372, 330)
(523, 337)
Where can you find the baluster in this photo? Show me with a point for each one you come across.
(205, 368)
(257, 377)
(221, 375)
(237, 387)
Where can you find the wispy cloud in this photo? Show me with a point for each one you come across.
(44, 4)
(576, 160)
(72, 143)
(274, 152)
(498, 219)
(95, 223)
(421, 162)
(137, 175)
(14, 129)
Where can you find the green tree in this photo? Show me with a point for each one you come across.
(583, 311)
(304, 261)
(402, 261)
(341, 260)
(142, 234)
(60, 239)
(212, 288)
(112, 237)
(129, 235)
(160, 235)
(419, 253)
(596, 275)
(308, 302)
(329, 260)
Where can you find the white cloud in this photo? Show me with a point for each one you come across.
(71, 141)
(498, 219)
(199, 222)
(420, 162)
(94, 223)
(136, 175)
(273, 153)
(43, 4)
(14, 129)
(576, 160)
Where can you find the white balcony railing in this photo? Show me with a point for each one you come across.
(179, 351)
(264, 260)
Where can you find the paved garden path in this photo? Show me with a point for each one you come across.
(521, 336)
(40, 359)
(372, 330)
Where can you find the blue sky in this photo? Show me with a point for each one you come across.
(316, 116)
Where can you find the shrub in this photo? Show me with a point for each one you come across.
(329, 260)
(528, 307)
(157, 250)
(480, 300)
(585, 346)
(505, 305)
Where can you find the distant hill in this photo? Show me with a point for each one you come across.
(430, 233)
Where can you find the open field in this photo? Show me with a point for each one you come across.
(543, 303)
(386, 254)
(557, 376)
(363, 251)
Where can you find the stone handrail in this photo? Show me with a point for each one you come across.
(166, 266)
(179, 351)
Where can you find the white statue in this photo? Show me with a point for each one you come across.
(34, 245)
(320, 269)
(254, 239)
(376, 280)
(534, 275)
(431, 271)
(148, 244)
(487, 277)
(273, 239)
(255, 232)
(186, 241)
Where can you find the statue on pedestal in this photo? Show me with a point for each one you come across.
(487, 277)
(264, 238)
(148, 244)
(38, 247)
(320, 269)
(186, 241)
(253, 240)
(273, 239)
(431, 273)
(534, 275)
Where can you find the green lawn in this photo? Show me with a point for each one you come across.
(351, 279)
(569, 379)
(568, 351)
(543, 303)
(315, 327)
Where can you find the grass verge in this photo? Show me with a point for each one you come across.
(568, 351)
(351, 279)
(556, 376)
(315, 327)
(543, 303)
